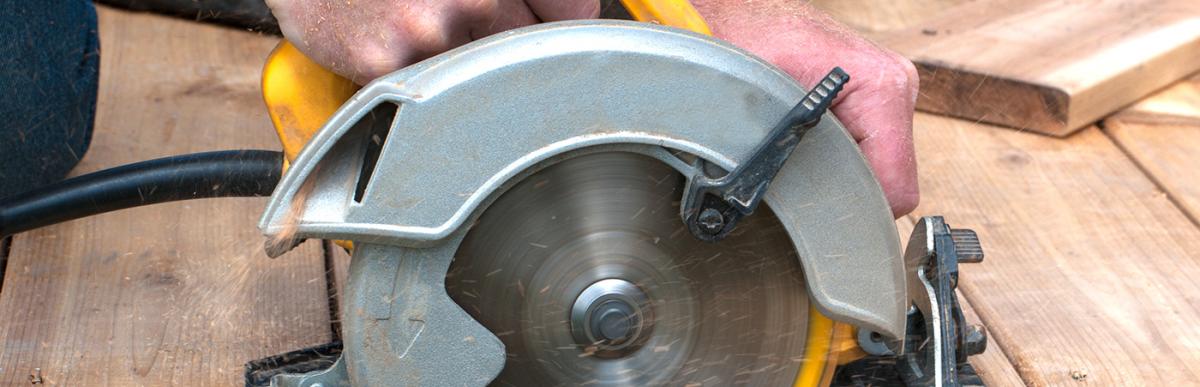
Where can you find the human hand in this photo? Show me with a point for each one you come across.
(877, 104)
(365, 39)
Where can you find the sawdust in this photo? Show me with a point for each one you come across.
(284, 240)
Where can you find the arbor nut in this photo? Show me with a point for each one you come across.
(613, 322)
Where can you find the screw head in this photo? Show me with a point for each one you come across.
(974, 340)
(711, 221)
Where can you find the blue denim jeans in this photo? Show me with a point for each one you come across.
(49, 66)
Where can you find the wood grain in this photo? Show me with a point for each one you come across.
(1162, 134)
(876, 18)
(1049, 66)
(992, 365)
(1090, 269)
(173, 294)
(1177, 104)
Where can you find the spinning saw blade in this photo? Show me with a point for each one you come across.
(587, 275)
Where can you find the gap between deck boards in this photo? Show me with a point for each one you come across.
(1154, 178)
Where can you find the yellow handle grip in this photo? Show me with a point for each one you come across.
(301, 95)
(674, 13)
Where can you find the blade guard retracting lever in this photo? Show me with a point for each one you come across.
(712, 207)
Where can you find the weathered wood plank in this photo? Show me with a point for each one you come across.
(1177, 104)
(1090, 268)
(992, 365)
(1049, 66)
(1162, 133)
(173, 294)
(876, 18)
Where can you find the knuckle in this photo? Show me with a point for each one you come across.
(589, 9)
(479, 8)
(367, 62)
(897, 77)
(906, 71)
(907, 203)
(912, 198)
(425, 35)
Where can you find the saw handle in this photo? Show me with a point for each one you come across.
(301, 95)
(674, 13)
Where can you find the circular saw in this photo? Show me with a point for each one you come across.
(604, 203)
(614, 203)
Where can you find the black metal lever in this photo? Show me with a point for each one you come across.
(712, 208)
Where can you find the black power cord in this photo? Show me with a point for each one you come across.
(237, 173)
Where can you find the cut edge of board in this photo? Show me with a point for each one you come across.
(1155, 59)
(980, 97)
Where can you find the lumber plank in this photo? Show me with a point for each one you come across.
(1049, 66)
(1179, 103)
(1090, 268)
(992, 365)
(172, 294)
(1162, 134)
(876, 18)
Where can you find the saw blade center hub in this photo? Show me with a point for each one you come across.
(612, 316)
(613, 321)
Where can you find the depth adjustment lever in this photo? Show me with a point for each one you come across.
(712, 207)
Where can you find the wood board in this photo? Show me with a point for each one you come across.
(875, 18)
(172, 294)
(1177, 104)
(992, 365)
(1090, 267)
(1162, 134)
(1047, 66)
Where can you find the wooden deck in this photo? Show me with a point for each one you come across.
(1093, 241)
